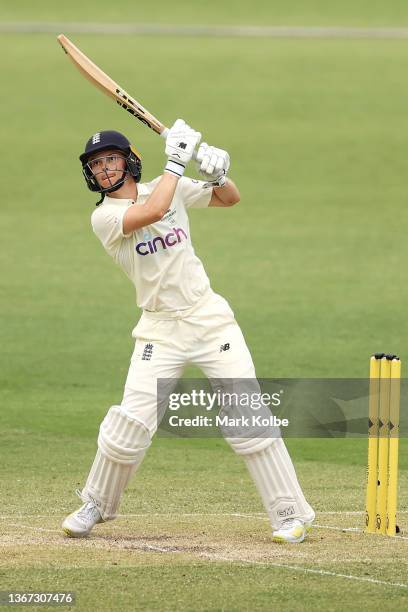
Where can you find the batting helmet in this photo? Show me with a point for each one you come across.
(102, 141)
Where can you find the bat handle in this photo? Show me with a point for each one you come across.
(164, 133)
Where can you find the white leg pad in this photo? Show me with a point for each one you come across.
(122, 444)
(275, 478)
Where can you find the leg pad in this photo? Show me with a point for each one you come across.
(272, 471)
(122, 444)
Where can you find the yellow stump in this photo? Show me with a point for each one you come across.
(383, 431)
(372, 444)
(383, 416)
(392, 492)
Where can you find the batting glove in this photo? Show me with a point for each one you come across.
(213, 164)
(180, 144)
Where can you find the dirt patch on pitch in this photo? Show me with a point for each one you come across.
(163, 543)
(213, 539)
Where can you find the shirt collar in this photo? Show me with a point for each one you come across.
(142, 190)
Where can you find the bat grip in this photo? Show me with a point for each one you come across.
(164, 133)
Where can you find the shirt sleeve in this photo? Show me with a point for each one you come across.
(194, 193)
(107, 224)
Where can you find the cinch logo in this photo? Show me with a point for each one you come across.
(169, 240)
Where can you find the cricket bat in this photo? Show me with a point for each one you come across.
(102, 81)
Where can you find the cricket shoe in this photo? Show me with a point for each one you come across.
(80, 523)
(292, 531)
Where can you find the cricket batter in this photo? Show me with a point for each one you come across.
(144, 227)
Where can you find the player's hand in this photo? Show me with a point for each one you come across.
(213, 164)
(180, 144)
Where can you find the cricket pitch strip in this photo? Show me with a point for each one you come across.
(336, 555)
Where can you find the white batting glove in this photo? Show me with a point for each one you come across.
(213, 164)
(180, 144)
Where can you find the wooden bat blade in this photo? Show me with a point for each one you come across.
(103, 82)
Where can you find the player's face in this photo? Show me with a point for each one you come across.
(107, 167)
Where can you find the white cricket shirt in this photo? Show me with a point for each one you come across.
(159, 259)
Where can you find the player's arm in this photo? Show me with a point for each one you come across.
(180, 144)
(213, 165)
(228, 195)
(155, 206)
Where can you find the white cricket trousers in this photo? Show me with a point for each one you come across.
(208, 336)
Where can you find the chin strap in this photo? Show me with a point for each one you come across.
(101, 199)
(115, 187)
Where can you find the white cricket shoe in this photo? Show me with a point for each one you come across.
(292, 531)
(80, 523)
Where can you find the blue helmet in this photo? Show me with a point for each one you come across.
(102, 141)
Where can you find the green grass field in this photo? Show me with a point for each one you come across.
(313, 262)
(261, 12)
